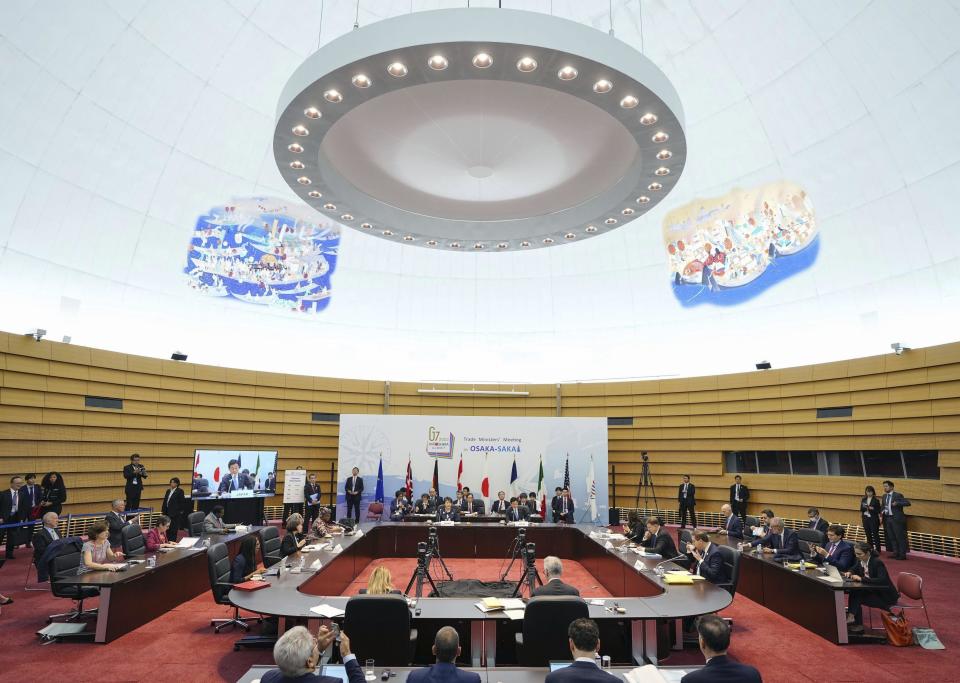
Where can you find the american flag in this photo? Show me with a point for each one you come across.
(566, 473)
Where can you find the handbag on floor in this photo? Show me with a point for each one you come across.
(898, 629)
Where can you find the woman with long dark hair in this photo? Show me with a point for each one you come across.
(870, 572)
(54, 492)
(245, 563)
(870, 516)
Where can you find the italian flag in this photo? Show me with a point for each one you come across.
(542, 492)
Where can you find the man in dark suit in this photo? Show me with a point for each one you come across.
(354, 493)
(446, 648)
(555, 502)
(658, 540)
(311, 500)
(565, 508)
(424, 506)
(532, 503)
(435, 499)
(584, 640)
(473, 506)
(714, 636)
(448, 512)
(732, 526)
(14, 507)
(134, 474)
(116, 520)
(399, 506)
(687, 497)
(45, 535)
(816, 521)
(500, 505)
(553, 568)
(782, 542)
(739, 495)
(174, 506)
(836, 551)
(235, 480)
(201, 485)
(895, 521)
(270, 483)
(297, 655)
(706, 560)
(462, 500)
(515, 513)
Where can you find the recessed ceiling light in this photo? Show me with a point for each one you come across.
(628, 211)
(454, 245)
(346, 217)
(660, 137)
(431, 243)
(388, 233)
(361, 81)
(662, 171)
(629, 102)
(333, 96)
(301, 131)
(408, 238)
(664, 154)
(304, 180)
(648, 119)
(526, 65)
(483, 61)
(548, 240)
(643, 199)
(591, 228)
(525, 244)
(479, 245)
(312, 113)
(502, 245)
(654, 187)
(315, 194)
(602, 86)
(295, 148)
(567, 73)
(330, 207)
(296, 165)
(611, 221)
(397, 69)
(438, 63)
(570, 236)
(365, 226)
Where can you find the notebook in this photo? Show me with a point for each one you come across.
(251, 585)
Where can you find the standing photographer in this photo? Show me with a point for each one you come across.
(134, 473)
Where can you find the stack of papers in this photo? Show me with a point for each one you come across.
(608, 545)
(328, 611)
(678, 579)
(796, 565)
(510, 605)
(187, 541)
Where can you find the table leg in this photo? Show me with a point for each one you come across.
(103, 611)
(678, 634)
(841, 610)
(643, 638)
(476, 643)
(490, 643)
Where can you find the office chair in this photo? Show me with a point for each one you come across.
(65, 564)
(218, 564)
(393, 641)
(685, 536)
(195, 523)
(545, 623)
(811, 536)
(270, 545)
(375, 511)
(132, 542)
(911, 586)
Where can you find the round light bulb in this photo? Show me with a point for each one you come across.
(304, 180)
(662, 171)
(660, 137)
(664, 154)
(648, 119)
(397, 70)
(611, 221)
(301, 131)
(295, 148)
(361, 81)
(654, 187)
(312, 113)
(526, 65)
(438, 63)
(567, 73)
(296, 165)
(643, 199)
(483, 61)
(629, 102)
(602, 86)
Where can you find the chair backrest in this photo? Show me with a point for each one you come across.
(545, 624)
(810, 536)
(218, 564)
(731, 558)
(375, 508)
(910, 585)
(65, 563)
(752, 521)
(686, 536)
(195, 523)
(132, 541)
(804, 547)
(270, 545)
(389, 642)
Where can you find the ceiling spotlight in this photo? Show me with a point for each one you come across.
(295, 148)
(525, 243)
(387, 233)
(567, 73)
(438, 63)
(643, 199)
(628, 211)
(654, 187)
(346, 217)
(629, 102)
(408, 238)
(397, 70)
(660, 137)
(454, 245)
(178, 355)
(312, 113)
(664, 154)
(502, 245)
(899, 348)
(483, 61)
(570, 236)
(602, 86)
(548, 240)
(764, 365)
(662, 171)
(431, 243)
(333, 96)
(527, 64)
(301, 131)
(316, 194)
(479, 245)
(297, 165)
(304, 180)
(330, 207)
(611, 221)
(366, 226)
(648, 119)
(361, 81)
(591, 228)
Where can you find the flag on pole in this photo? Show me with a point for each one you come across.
(436, 476)
(485, 482)
(566, 473)
(196, 464)
(513, 477)
(592, 491)
(409, 479)
(378, 494)
(460, 473)
(256, 472)
(240, 459)
(542, 491)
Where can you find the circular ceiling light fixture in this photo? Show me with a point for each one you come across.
(382, 162)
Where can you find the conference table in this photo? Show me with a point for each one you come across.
(131, 598)
(646, 603)
(671, 674)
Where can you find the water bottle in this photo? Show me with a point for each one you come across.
(300, 566)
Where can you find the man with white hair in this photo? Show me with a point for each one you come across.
(297, 654)
(553, 568)
(46, 535)
(116, 520)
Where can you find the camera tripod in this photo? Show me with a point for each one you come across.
(421, 573)
(516, 551)
(531, 576)
(645, 485)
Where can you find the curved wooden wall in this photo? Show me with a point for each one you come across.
(900, 402)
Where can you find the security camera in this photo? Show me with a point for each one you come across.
(37, 334)
(899, 348)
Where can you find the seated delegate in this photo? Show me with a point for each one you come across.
(782, 542)
(294, 540)
(297, 655)
(657, 540)
(213, 522)
(583, 638)
(732, 526)
(244, 565)
(96, 553)
(446, 648)
(449, 512)
(156, 537)
(836, 551)
(868, 571)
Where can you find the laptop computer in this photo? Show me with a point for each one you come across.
(832, 575)
(336, 671)
(559, 665)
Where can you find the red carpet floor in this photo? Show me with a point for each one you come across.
(181, 646)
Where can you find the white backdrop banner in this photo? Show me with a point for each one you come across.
(488, 447)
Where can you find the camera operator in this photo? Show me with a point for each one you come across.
(134, 473)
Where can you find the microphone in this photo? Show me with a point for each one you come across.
(659, 564)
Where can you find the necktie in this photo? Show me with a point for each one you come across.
(729, 521)
(737, 496)
(15, 502)
(564, 506)
(832, 548)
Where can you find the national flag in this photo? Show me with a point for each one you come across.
(513, 477)
(409, 479)
(216, 474)
(240, 460)
(485, 482)
(592, 491)
(196, 464)
(436, 476)
(566, 473)
(256, 472)
(542, 491)
(378, 494)
(460, 473)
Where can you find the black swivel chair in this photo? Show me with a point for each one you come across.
(65, 564)
(393, 641)
(811, 536)
(731, 560)
(270, 545)
(751, 521)
(545, 623)
(685, 536)
(218, 564)
(195, 524)
(132, 541)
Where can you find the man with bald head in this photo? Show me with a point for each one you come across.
(446, 648)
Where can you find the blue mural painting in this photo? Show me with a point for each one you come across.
(263, 251)
(729, 249)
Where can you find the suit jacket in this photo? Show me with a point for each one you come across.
(734, 527)
(691, 499)
(517, 515)
(398, 508)
(554, 502)
(41, 541)
(499, 507)
(358, 486)
(712, 568)
(243, 482)
(570, 509)
(33, 494)
(442, 672)
(744, 494)
(878, 579)
(453, 515)
(153, 539)
(821, 525)
(580, 671)
(212, 523)
(786, 544)
(437, 502)
(309, 490)
(288, 546)
(555, 587)
(532, 506)
(722, 669)
(270, 484)
(116, 523)
(354, 675)
(130, 475)
(661, 544)
(870, 510)
(477, 507)
(174, 505)
(201, 485)
(842, 558)
(422, 508)
(896, 508)
(7, 513)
